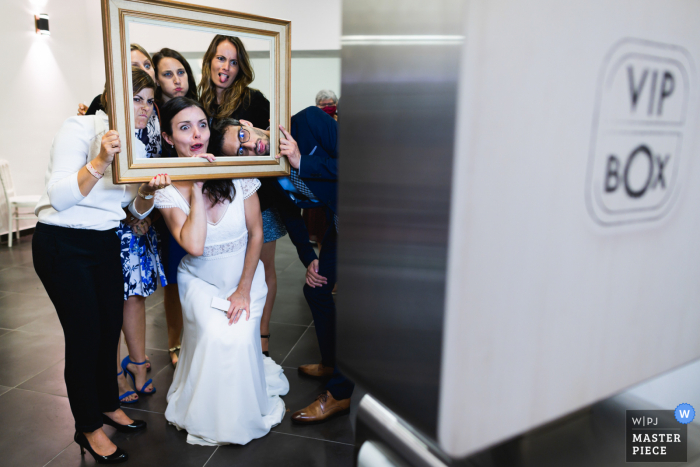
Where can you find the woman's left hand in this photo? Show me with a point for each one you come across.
(240, 303)
(209, 157)
(158, 182)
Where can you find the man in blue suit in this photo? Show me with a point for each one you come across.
(311, 146)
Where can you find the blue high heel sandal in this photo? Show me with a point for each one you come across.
(126, 394)
(125, 362)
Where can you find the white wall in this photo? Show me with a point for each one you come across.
(43, 79)
(54, 73)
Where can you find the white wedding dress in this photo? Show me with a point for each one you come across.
(224, 389)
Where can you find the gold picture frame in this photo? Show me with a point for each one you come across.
(116, 17)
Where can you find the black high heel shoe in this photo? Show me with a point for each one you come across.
(117, 457)
(137, 425)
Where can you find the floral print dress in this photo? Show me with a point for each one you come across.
(141, 265)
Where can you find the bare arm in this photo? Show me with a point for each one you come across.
(190, 231)
(240, 299)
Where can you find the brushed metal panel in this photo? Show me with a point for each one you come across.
(399, 74)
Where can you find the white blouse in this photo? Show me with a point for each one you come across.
(76, 143)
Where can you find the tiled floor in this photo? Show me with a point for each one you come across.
(36, 426)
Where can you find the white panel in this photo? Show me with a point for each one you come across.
(561, 292)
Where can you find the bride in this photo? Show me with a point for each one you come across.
(224, 390)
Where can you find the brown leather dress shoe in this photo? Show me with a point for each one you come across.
(323, 408)
(316, 370)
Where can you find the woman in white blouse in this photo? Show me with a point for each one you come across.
(77, 256)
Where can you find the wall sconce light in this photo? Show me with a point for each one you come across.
(42, 24)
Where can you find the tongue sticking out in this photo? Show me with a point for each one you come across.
(223, 77)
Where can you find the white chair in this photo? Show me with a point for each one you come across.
(14, 202)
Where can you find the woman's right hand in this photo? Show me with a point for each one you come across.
(82, 109)
(111, 145)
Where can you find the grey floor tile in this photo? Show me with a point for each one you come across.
(285, 244)
(156, 297)
(35, 427)
(277, 449)
(291, 308)
(24, 355)
(4, 389)
(21, 280)
(302, 392)
(49, 381)
(49, 324)
(18, 255)
(156, 328)
(17, 310)
(291, 282)
(283, 337)
(295, 268)
(305, 351)
(160, 444)
(284, 259)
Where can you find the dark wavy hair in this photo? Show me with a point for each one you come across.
(217, 191)
(170, 53)
(218, 129)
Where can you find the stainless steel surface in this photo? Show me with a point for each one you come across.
(591, 437)
(393, 433)
(374, 454)
(399, 74)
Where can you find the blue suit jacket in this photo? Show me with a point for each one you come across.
(312, 128)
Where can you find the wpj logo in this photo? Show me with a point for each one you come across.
(658, 435)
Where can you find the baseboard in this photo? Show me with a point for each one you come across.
(22, 233)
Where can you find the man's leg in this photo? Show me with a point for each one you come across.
(339, 389)
(321, 303)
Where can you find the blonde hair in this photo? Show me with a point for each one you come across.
(234, 95)
(135, 46)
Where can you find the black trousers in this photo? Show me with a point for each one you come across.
(82, 273)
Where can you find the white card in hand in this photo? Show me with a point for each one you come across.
(220, 303)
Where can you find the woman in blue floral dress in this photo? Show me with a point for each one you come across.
(141, 265)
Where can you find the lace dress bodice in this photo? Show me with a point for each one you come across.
(228, 236)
